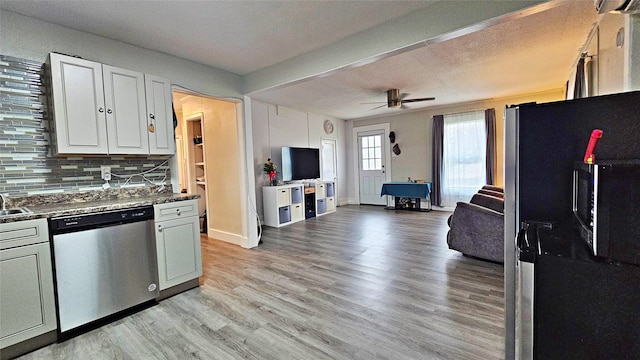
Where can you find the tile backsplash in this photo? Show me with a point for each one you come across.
(26, 166)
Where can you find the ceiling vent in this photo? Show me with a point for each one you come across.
(621, 6)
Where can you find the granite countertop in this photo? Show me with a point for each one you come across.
(76, 203)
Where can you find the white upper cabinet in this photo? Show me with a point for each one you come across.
(78, 106)
(159, 115)
(126, 111)
(101, 109)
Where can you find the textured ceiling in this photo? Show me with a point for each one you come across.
(522, 54)
(237, 36)
(525, 55)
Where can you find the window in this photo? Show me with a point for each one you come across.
(371, 147)
(463, 153)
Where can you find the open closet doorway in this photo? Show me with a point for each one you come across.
(209, 162)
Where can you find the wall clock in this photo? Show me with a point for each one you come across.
(328, 127)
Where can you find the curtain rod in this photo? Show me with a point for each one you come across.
(467, 112)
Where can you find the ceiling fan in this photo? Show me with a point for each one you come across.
(395, 100)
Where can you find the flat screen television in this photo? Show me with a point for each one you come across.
(300, 163)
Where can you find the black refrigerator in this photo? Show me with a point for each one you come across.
(561, 302)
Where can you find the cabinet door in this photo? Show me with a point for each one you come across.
(159, 115)
(126, 111)
(179, 253)
(27, 307)
(78, 106)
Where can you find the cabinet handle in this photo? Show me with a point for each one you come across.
(109, 111)
(178, 211)
(101, 110)
(151, 116)
(159, 228)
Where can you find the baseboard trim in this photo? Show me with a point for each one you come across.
(29, 345)
(226, 236)
(174, 290)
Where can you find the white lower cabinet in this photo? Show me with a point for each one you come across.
(177, 229)
(27, 305)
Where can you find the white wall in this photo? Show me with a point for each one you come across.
(414, 130)
(33, 39)
(616, 68)
(277, 126)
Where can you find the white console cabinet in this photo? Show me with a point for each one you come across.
(325, 198)
(283, 205)
(288, 204)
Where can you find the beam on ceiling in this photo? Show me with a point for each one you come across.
(443, 18)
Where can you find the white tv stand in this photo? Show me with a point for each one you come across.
(287, 204)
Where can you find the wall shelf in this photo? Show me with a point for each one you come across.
(197, 159)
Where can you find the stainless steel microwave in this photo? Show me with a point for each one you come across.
(606, 203)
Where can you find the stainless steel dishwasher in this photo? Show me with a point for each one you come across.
(104, 263)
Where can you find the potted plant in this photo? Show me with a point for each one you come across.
(270, 168)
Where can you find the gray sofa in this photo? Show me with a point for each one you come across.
(476, 228)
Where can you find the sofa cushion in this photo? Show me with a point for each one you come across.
(491, 193)
(493, 188)
(491, 202)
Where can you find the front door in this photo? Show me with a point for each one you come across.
(371, 166)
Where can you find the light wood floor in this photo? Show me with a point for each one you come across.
(362, 283)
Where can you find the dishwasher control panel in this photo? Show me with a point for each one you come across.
(101, 219)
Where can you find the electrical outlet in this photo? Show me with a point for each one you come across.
(105, 172)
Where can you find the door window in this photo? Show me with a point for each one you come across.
(371, 148)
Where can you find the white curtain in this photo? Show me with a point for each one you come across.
(464, 156)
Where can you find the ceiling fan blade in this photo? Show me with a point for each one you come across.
(381, 106)
(375, 102)
(418, 99)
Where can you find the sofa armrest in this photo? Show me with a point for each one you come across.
(477, 231)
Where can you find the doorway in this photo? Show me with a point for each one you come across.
(330, 163)
(210, 162)
(372, 155)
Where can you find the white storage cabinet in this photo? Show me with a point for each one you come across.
(102, 109)
(325, 198)
(177, 229)
(283, 205)
(27, 305)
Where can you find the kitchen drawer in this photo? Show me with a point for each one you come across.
(22, 233)
(175, 210)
